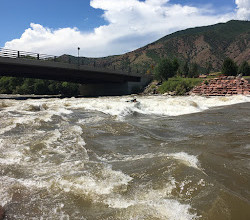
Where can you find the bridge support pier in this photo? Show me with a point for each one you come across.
(106, 89)
(114, 89)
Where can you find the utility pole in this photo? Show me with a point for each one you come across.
(78, 57)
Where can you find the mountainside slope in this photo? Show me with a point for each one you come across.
(201, 45)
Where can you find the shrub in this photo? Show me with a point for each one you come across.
(229, 67)
(179, 85)
(12, 85)
(244, 69)
(166, 69)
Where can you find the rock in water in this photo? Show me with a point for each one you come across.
(2, 212)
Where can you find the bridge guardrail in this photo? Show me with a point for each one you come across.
(18, 54)
(23, 54)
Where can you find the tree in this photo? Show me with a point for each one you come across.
(41, 87)
(244, 69)
(229, 67)
(209, 67)
(70, 89)
(165, 69)
(4, 85)
(193, 72)
(176, 65)
(185, 69)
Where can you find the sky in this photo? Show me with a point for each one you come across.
(105, 27)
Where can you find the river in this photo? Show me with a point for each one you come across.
(162, 158)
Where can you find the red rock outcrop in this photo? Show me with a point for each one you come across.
(223, 86)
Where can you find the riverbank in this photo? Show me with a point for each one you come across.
(173, 86)
(216, 86)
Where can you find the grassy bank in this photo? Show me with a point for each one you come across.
(179, 85)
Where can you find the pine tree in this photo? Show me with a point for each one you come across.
(244, 69)
(229, 67)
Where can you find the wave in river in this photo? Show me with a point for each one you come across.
(119, 106)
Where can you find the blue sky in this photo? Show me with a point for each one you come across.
(17, 15)
(105, 27)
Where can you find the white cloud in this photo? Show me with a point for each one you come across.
(243, 9)
(131, 24)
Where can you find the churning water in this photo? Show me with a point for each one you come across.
(162, 158)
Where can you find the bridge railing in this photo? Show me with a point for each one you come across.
(23, 54)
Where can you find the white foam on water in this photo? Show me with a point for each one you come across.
(105, 183)
(172, 210)
(174, 106)
(33, 183)
(157, 105)
(5, 196)
(153, 203)
(54, 136)
(118, 202)
(7, 128)
(90, 120)
(118, 106)
(126, 158)
(11, 158)
(247, 147)
(77, 132)
(12, 123)
(187, 159)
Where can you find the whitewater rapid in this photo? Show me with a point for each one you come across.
(120, 106)
(105, 158)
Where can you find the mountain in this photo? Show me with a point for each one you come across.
(201, 45)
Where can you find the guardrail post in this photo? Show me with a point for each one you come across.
(114, 67)
(94, 63)
(18, 54)
(38, 56)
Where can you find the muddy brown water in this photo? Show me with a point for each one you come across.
(162, 158)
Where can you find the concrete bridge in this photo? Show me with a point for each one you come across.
(94, 80)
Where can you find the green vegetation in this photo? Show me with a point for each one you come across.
(165, 69)
(12, 85)
(229, 67)
(193, 72)
(168, 70)
(153, 55)
(230, 30)
(244, 69)
(179, 85)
